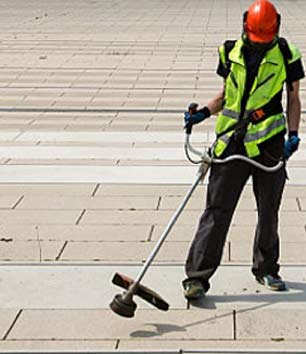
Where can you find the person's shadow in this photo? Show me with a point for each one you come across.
(296, 293)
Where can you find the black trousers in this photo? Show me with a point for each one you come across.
(226, 183)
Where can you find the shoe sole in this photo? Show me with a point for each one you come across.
(195, 296)
(283, 288)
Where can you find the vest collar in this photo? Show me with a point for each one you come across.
(271, 56)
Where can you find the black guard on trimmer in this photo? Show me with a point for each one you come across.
(145, 293)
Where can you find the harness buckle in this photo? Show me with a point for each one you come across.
(257, 115)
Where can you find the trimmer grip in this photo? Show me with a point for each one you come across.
(188, 128)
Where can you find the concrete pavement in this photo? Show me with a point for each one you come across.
(92, 167)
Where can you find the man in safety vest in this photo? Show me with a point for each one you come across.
(250, 122)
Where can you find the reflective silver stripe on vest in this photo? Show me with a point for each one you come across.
(231, 114)
(225, 138)
(258, 135)
(235, 115)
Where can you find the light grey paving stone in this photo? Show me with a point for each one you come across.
(114, 233)
(198, 344)
(45, 189)
(179, 233)
(152, 163)
(7, 317)
(241, 218)
(102, 324)
(286, 233)
(236, 233)
(57, 345)
(21, 144)
(234, 287)
(82, 286)
(291, 252)
(245, 203)
(88, 286)
(46, 162)
(256, 324)
(36, 251)
(124, 128)
(144, 190)
(136, 217)
(127, 251)
(8, 136)
(286, 218)
(198, 203)
(111, 174)
(37, 217)
(106, 251)
(83, 143)
(96, 202)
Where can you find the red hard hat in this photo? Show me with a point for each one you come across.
(262, 22)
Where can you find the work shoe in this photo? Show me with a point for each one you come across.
(272, 282)
(193, 289)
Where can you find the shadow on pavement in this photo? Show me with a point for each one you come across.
(296, 293)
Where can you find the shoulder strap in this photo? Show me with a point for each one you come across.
(286, 52)
(228, 46)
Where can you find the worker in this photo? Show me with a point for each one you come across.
(251, 122)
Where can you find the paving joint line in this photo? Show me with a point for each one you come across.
(61, 251)
(159, 202)
(151, 233)
(95, 189)
(234, 325)
(299, 204)
(12, 325)
(18, 202)
(80, 217)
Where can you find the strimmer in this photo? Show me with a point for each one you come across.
(123, 304)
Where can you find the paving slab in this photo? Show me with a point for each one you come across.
(113, 174)
(88, 286)
(103, 324)
(245, 203)
(45, 189)
(127, 251)
(290, 252)
(58, 345)
(189, 217)
(37, 217)
(144, 217)
(286, 233)
(145, 190)
(114, 233)
(91, 202)
(256, 324)
(207, 345)
(236, 233)
(56, 162)
(34, 251)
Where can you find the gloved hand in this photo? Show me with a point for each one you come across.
(291, 145)
(194, 116)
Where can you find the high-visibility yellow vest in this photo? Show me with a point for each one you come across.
(268, 83)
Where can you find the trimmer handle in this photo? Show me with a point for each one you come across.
(191, 110)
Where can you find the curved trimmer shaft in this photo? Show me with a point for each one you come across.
(135, 288)
(123, 304)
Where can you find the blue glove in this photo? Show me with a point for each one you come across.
(194, 116)
(291, 145)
